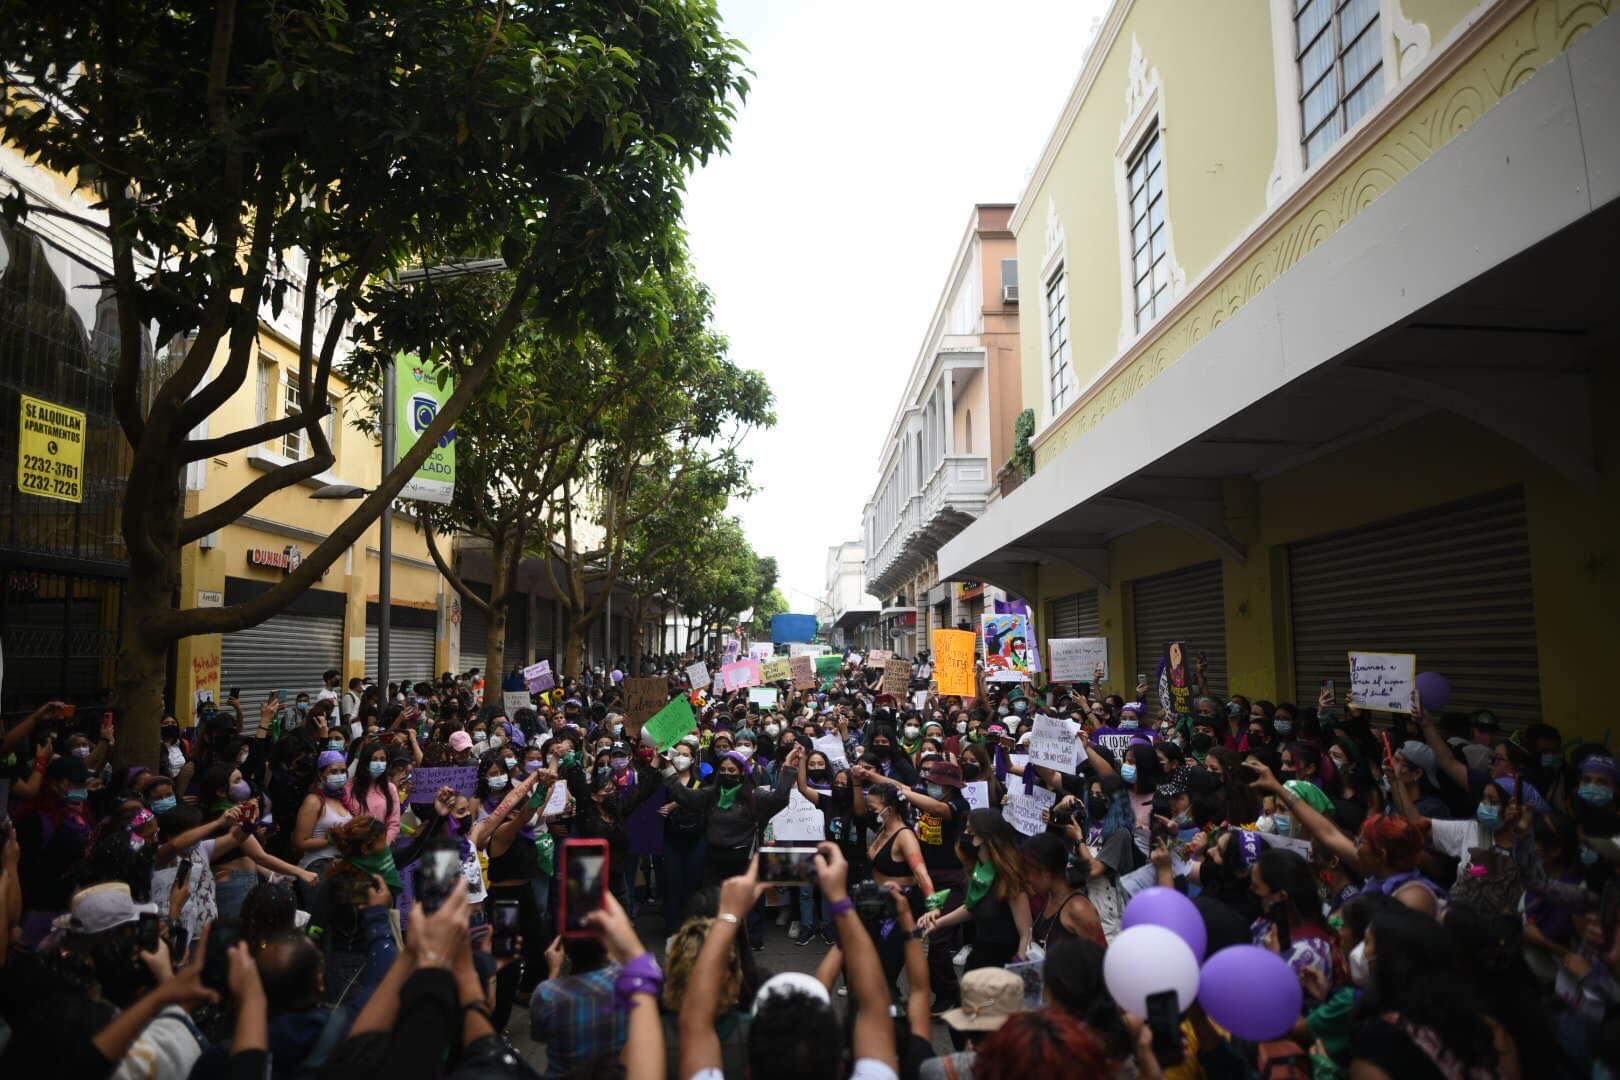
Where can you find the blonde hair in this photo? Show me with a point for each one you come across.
(680, 957)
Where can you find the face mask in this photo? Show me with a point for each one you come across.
(1097, 807)
(1284, 728)
(1001, 710)
(165, 804)
(81, 751)
(912, 731)
(681, 762)
(240, 791)
(510, 763)
(936, 791)
(1489, 816)
(497, 783)
(773, 730)
(1129, 721)
(1588, 856)
(376, 768)
(730, 780)
(302, 707)
(1595, 794)
(1202, 742)
(335, 782)
(961, 727)
(1360, 966)
(497, 741)
(1127, 773)
(745, 751)
(970, 770)
(619, 764)
(1339, 763)
(820, 776)
(1283, 824)
(1021, 706)
(136, 841)
(1551, 761)
(78, 794)
(334, 744)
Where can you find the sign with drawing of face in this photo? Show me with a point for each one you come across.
(1009, 643)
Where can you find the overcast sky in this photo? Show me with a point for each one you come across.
(871, 130)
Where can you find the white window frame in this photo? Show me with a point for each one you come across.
(1145, 115)
(1054, 261)
(293, 444)
(1061, 385)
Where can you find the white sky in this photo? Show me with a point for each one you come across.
(871, 130)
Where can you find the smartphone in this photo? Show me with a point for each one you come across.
(787, 865)
(148, 932)
(585, 876)
(503, 943)
(281, 695)
(216, 967)
(1164, 1020)
(1140, 678)
(1285, 937)
(1327, 684)
(67, 711)
(182, 869)
(437, 875)
(236, 691)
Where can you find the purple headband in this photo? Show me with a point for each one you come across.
(1602, 765)
(1248, 847)
(742, 762)
(329, 758)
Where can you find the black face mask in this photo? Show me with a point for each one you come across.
(1097, 807)
(729, 780)
(882, 750)
(1202, 742)
(820, 776)
(970, 770)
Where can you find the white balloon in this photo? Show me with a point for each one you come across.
(1146, 960)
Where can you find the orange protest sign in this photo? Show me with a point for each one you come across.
(954, 652)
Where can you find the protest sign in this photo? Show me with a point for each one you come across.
(698, 675)
(670, 723)
(1383, 681)
(790, 628)
(1118, 740)
(513, 700)
(1175, 688)
(802, 821)
(762, 696)
(833, 747)
(1077, 659)
(776, 669)
(1297, 845)
(876, 657)
(977, 794)
(739, 675)
(854, 659)
(732, 650)
(1019, 760)
(799, 648)
(556, 800)
(953, 660)
(804, 672)
(919, 700)
(425, 783)
(1024, 810)
(761, 650)
(1009, 643)
(1052, 744)
(1007, 675)
(538, 677)
(827, 669)
(896, 676)
(643, 697)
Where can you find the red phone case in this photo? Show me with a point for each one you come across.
(570, 848)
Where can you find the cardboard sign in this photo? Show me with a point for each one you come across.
(853, 659)
(538, 677)
(1025, 811)
(804, 672)
(876, 657)
(1077, 659)
(1383, 681)
(896, 676)
(776, 669)
(1118, 740)
(977, 794)
(1009, 643)
(954, 652)
(426, 782)
(739, 675)
(670, 723)
(833, 747)
(802, 821)
(643, 697)
(1052, 744)
(50, 450)
(698, 675)
(513, 700)
(762, 696)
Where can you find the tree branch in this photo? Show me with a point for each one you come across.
(452, 577)
(221, 515)
(198, 449)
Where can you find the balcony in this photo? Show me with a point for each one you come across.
(956, 493)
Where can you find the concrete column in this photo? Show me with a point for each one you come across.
(950, 414)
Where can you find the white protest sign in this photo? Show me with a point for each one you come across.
(556, 800)
(761, 650)
(1077, 659)
(977, 794)
(538, 677)
(802, 820)
(1053, 745)
(1019, 760)
(876, 656)
(1025, 810)
(698, 675)
(805, 648)
(919, 700)
(833, 747)
(1007, 675)
(763, 696)
(1383, 681)
(853, 659)
(513, 700)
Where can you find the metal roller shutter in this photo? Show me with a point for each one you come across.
(1184, 605)
(545, 645)
(288, 652)
(517, 630)
(1074, 615)
(474, 635)
(1451, 584)
(410, 653)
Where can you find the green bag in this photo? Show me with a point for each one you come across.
(546, 848)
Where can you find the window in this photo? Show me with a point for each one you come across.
(1341, 68)
(1149, 237)
(292, 443)
(1060, 369)
(261, 397)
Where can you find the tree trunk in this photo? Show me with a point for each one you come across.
(637, 636)
(504, 554)
(151, 533)
(574, 650)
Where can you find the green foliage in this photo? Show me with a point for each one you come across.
(1023, 456)
(772, 604)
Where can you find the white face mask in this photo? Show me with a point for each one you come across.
(961, 727)
(912, 731)
(1360, 966)
(773, 730)
(479, 748)
(745, 752)
(681, 762)
(497, 741)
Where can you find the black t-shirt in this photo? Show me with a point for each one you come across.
(938, 833)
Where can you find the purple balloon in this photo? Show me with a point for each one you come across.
(1159, 906)
(1435, 691)
(1251, 992)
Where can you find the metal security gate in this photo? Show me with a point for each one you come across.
(410, 653)
(1451, 584)
(288, 652)
(474, 636)
(1184, 605)
(545, 636)
(1074, 615)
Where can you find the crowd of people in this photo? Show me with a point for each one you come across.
(253, 903)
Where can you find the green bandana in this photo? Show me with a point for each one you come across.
(984, 877)
(381, 865)
(728, 797)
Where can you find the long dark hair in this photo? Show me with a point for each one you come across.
(364, 781)
(1290, 872)
(1073, 975)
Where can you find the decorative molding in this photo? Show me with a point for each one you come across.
(1144, 114)
(1488, 60)
(1411, 39)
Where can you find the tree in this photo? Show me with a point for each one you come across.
(218, 137)
(772, 604)
(723, 582)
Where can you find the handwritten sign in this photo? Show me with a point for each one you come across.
(1025, 811)
(739, 675)
(1077, 659)
(776, 669)
(205, 673)
(1383, 681)
(833, 747)
(953, 660)
(671, 723)
(802, 820)
(556, 801)
(760, 650)
(919, 700)
(977, 794)
(804, 672)
(877, 657)
(896, 676)
(1118, 740)
(643, 697)
(762, 696)
(538, 677)
(698, 675)
(805, 648)
(1052, 744)
(425, 783)
(513, 700)
(827, 669)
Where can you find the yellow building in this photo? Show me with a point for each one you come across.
(1318, 325)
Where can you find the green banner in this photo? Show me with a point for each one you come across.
(418, 397)
(671, 722)
(828, 667)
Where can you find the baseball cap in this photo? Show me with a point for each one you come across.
(103, 907)
(459, 741)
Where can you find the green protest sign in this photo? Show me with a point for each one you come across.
(671, 722)
(418, 397)
(828, 667)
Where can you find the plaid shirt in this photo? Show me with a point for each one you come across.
(578, 1020)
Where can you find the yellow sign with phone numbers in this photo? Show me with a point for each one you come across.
(50, 450)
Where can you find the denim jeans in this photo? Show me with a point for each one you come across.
(807, 910)
(683, 876)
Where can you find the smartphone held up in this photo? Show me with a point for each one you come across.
(584, 867)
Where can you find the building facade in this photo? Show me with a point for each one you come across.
(1315, 333)
(952, 432)
(852, 610)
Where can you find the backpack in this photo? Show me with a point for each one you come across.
(1493, 884)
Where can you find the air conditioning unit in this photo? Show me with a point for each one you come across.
(1009, 294)
(208, 541)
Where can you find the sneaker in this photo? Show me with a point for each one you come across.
(782, 917)
(793, 928)
(805, 937)
(827, 935)
(759, 945)
(843, 991)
